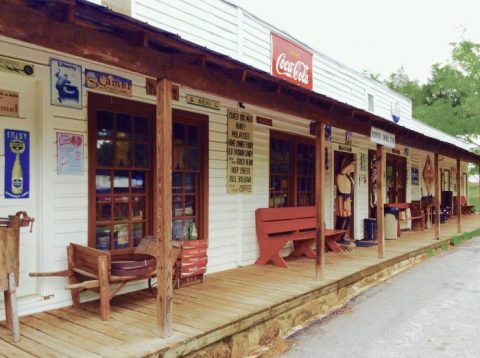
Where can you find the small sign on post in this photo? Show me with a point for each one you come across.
(239, 152)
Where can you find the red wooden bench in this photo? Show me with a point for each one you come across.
(277, 226)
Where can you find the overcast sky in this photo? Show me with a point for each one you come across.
(375, 35)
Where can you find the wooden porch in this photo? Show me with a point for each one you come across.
(226, 303)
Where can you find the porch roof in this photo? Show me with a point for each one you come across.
(91, 31)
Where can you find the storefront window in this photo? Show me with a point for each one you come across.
(187, 177)
(121, 169)
(292, 171)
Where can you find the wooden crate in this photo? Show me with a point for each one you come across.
(191, 264)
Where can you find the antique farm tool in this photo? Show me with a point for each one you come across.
(9, 265)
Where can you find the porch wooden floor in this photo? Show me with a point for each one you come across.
(227, 302)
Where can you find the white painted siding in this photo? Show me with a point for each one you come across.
(232, 31)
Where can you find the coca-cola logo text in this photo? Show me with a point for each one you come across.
(291, 62)
(295, 70)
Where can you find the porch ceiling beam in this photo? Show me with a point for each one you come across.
(102, 35)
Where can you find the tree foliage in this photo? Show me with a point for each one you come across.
(450, 100)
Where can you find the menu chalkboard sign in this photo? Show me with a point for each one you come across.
(239, 152)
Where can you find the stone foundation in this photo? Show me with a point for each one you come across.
(254, 339)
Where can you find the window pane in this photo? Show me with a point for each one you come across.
(104, 152)
(141, 155)
(138, 182)
(177, 230)
(102, 234)
(121, 209)
(141, 128)
(177, 206)
(138, 208)
(120, 236)
(179, 134)
(103, 182)
(190, 205)
(120, 182)
(123, 154)
(192, 136)
(177, 182)
(138, 233)
(104, 209)
(104, 124)
(124, 126)
(190, 182)
(192, 158)
(178, 160)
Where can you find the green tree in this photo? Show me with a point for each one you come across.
(450, 100)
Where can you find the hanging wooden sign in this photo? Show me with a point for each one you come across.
(203, 102)
(239, 152)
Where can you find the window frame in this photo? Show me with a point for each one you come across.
(200, 120)
(295, 140)
(97, 102)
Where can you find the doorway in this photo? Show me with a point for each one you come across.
(339, 161)
(396, 174)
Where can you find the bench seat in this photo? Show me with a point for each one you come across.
(278, 226)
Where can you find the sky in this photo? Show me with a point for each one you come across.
(375, 35)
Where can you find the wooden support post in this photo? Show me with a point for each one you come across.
(163, 206)
(319, 199)
(459, 202)
(380, 228)
(437, 197)
(11, 310)
(104, 288)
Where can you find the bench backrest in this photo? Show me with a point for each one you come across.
(271, 221)
(86, 258)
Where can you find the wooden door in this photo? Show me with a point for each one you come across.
(396, 174)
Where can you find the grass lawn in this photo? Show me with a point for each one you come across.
(474, 193)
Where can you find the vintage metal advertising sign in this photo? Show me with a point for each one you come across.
(107, 82)
(16, 67)
(66, 84)
(239, 152)
(17, 164)
(8, 103)
(69, 154)
(290, 62)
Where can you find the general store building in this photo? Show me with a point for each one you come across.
(95, 144)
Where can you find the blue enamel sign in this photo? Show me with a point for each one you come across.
(17, 164)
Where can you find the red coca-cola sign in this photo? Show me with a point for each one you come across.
(290, 62)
